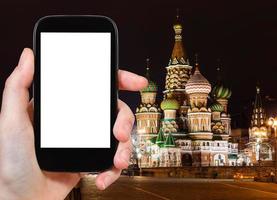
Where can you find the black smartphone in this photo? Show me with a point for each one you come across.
(75, 92)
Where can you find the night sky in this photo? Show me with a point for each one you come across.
(242, 34)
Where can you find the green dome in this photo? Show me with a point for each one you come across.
(217, 107)
(219, 91)
(152, 87)
(170, 104)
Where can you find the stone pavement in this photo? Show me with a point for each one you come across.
(144, 188)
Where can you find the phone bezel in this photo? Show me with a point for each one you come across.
(75, 159)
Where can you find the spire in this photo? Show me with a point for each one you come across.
(152, 86)
(218, 70)
(196, 64)
(160, 138)
(178, 55)
(220, 89)
(177, 14)
(169, 142)
(147, 75)
(258, 115)
(258, 89)
(177, 27)
(196, 59)
(258, 99)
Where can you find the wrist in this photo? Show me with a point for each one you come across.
(9, 191)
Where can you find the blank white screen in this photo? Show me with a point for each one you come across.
(75, 90)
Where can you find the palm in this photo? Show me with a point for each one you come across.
(20, 175)
(20, 161)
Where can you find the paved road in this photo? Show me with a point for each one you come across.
(144, 188)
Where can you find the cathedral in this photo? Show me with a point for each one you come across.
(191, 126)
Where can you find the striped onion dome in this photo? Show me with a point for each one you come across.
(198, 83)
(219, 91)
(170, 104)
(217, 107)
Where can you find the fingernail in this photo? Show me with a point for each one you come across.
(103, 186)
(107, 182)
(22, 58)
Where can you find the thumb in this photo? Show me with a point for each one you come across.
(16, 94)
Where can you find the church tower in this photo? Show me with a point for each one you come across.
(168, 123)
(221, 94)
(178, 69)
(148, 113)
(178, 73)
(258, 129)
(199, 116)
(148, 116)
(258, 132)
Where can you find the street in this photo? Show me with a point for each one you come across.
(142, 188)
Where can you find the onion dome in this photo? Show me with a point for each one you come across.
(152, 86)
(198, 83)
(220, 91)
(170, 104)
(169, 126)
(217, 127)
(178, 55)
(217, 107)
(169, 142)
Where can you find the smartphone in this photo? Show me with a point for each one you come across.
(75, 92)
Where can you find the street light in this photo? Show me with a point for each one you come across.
(259, 154)
(139, 158)
(272, 122)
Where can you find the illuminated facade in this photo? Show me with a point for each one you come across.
(259, 147)
(148, 113)
(192, 130)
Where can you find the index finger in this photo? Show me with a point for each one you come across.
(130, 81)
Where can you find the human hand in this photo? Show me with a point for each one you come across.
(20, 175)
